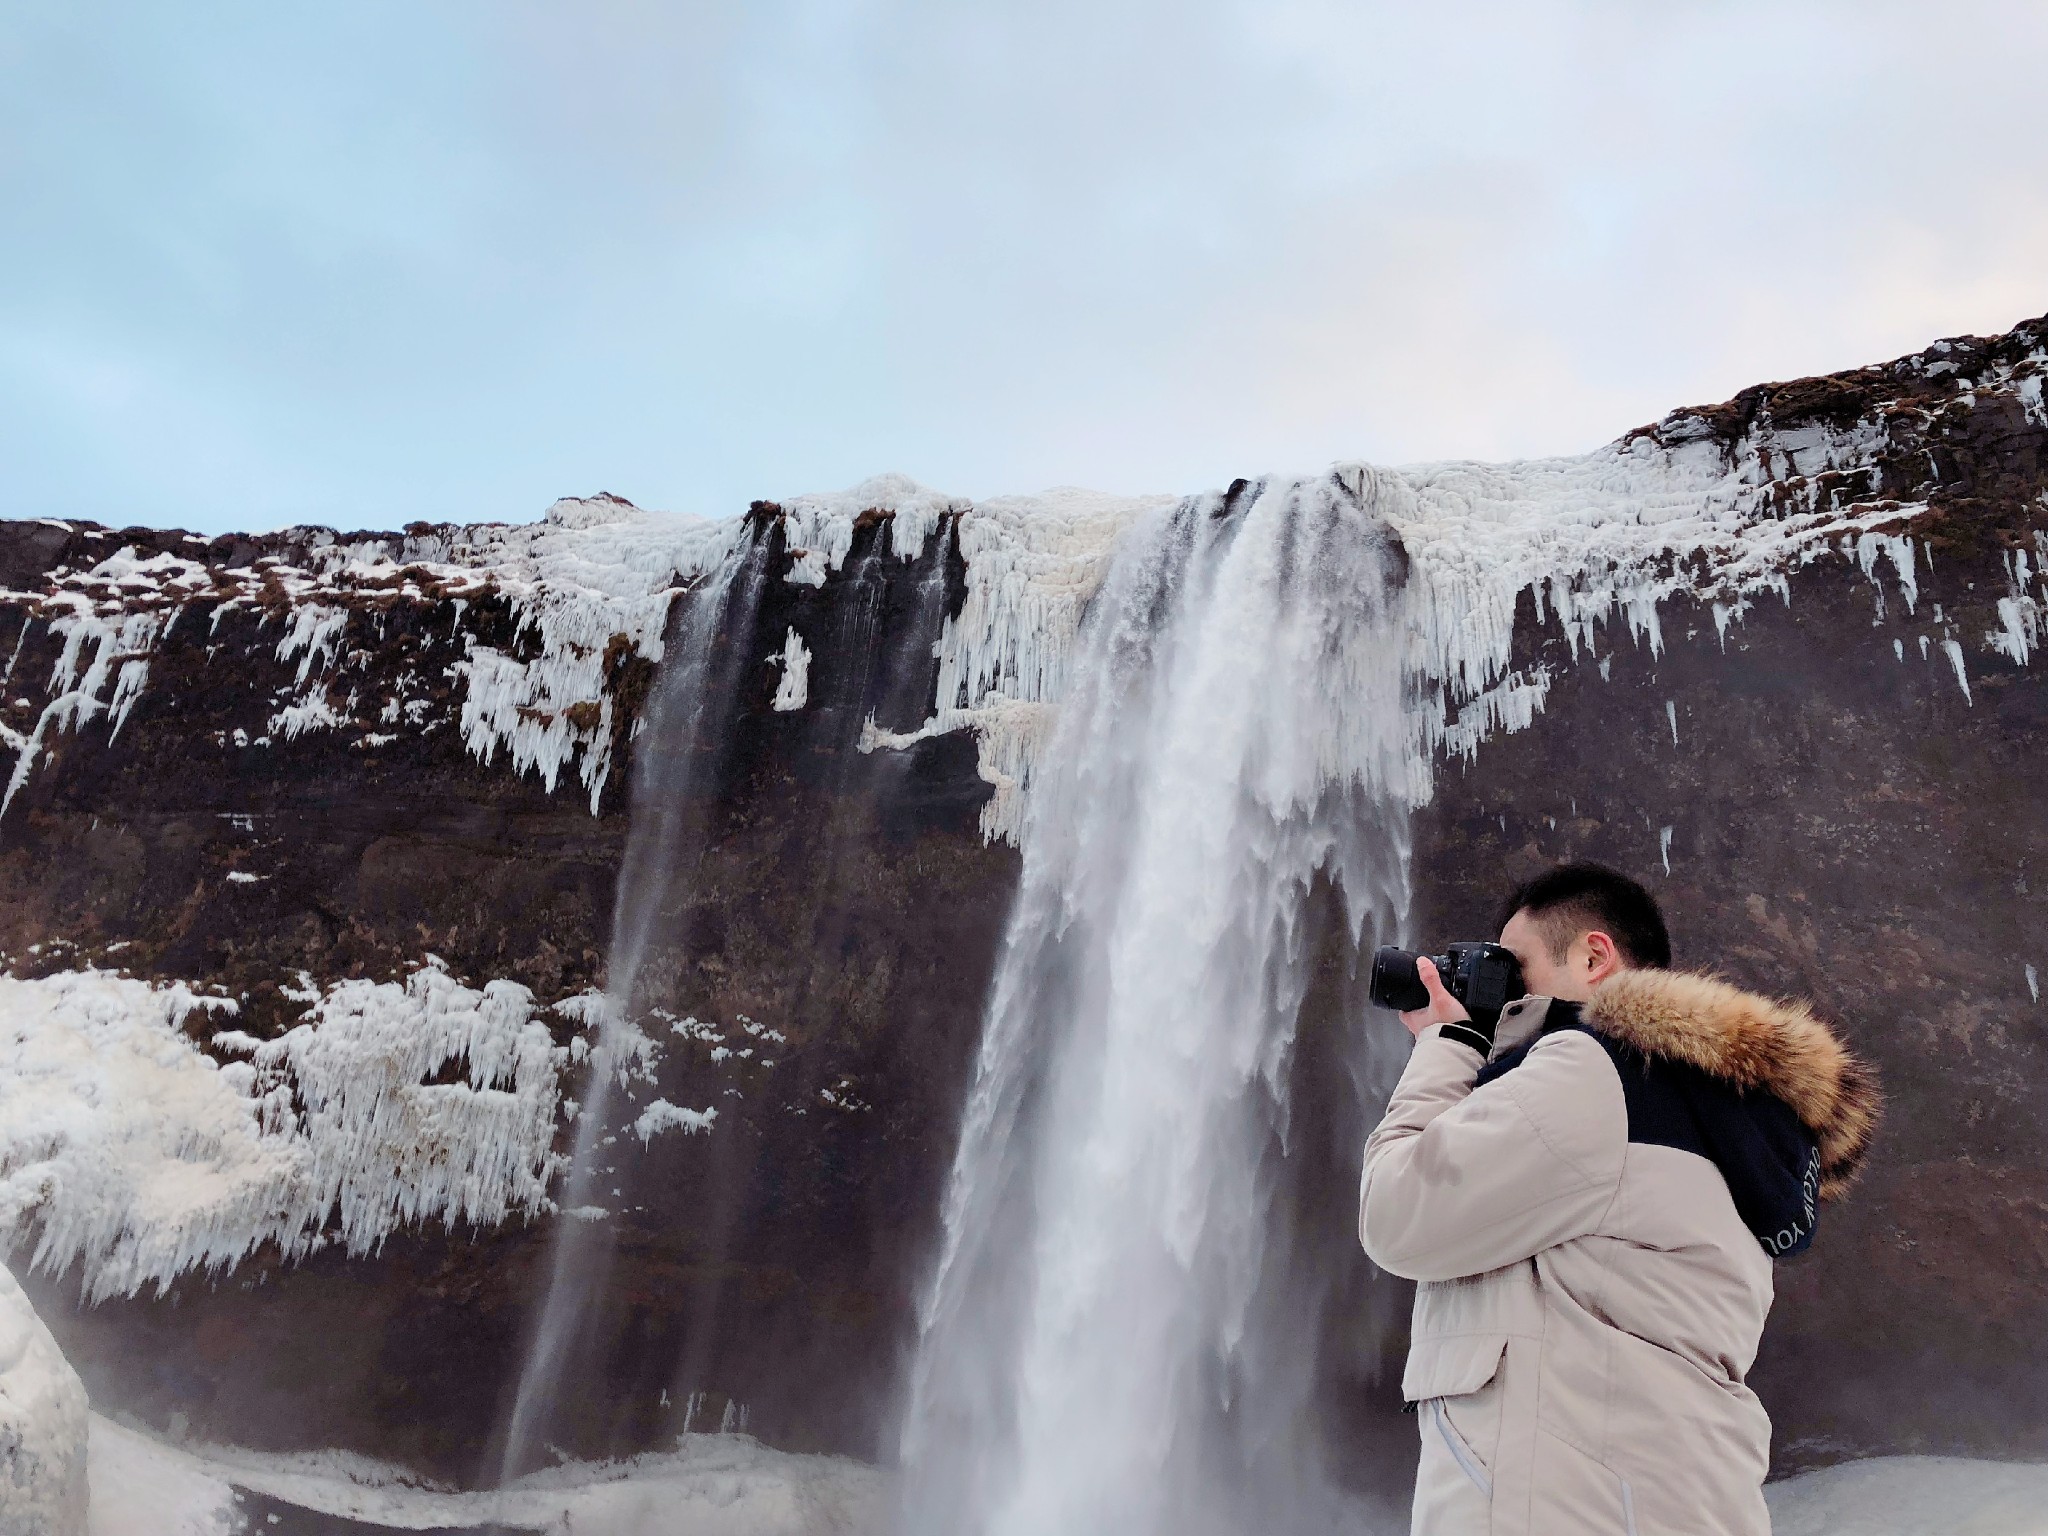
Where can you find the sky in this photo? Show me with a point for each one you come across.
(369, 263)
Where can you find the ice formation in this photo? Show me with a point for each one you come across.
(81, 690)
(795, 659)
(129, 1150)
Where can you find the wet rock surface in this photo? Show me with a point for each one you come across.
(1843, 823)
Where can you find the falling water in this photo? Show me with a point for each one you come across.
(1114, 1340)
(675, 770)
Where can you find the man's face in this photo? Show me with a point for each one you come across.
(1590, 960)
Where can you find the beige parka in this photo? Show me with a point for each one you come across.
(1591, 1297)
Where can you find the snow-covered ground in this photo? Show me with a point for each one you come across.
(710, 1485)
(729, 1485)
(1913, 1496)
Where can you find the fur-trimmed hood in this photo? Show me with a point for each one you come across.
(1750, 1042)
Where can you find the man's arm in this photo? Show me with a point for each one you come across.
(1459, 1180)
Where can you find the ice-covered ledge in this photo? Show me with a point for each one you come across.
(1720, 503)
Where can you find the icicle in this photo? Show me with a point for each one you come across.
(1955, 657)
(795, 660)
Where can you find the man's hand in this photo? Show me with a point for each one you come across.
(1442, 1007)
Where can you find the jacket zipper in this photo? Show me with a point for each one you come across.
(1461, 1453)
(1628, 1507)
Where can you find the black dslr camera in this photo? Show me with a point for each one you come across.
(1484, 977)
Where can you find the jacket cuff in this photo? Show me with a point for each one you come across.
(1467, 1035)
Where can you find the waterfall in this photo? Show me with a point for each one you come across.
(1120, 1329)
(676, 770)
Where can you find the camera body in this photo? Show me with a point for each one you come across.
(1484, 977)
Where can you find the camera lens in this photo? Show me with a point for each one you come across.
(1395, 982)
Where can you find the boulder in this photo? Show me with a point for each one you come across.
(43, 1426)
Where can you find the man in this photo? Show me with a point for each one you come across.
(1592, 1198)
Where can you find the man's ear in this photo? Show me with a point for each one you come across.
(1603, 956)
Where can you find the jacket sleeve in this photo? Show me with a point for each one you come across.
(1459, 1181)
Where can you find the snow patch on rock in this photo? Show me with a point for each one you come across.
(663, 1116)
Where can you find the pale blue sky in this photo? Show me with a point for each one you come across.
(367, 263)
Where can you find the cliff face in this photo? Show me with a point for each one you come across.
(261, 767)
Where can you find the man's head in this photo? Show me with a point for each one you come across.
(1578, 924)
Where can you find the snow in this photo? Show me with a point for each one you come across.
(129, 1150)
(2029, 393)
(709, 1485)
(662, 1116)
(1911, 1496)
(141, 1487)
(42, 1426)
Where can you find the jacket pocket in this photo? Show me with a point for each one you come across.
(1461, 1452)
(1583, 1490)
(1451, 1365)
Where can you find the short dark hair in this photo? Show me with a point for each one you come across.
(1577, 898)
